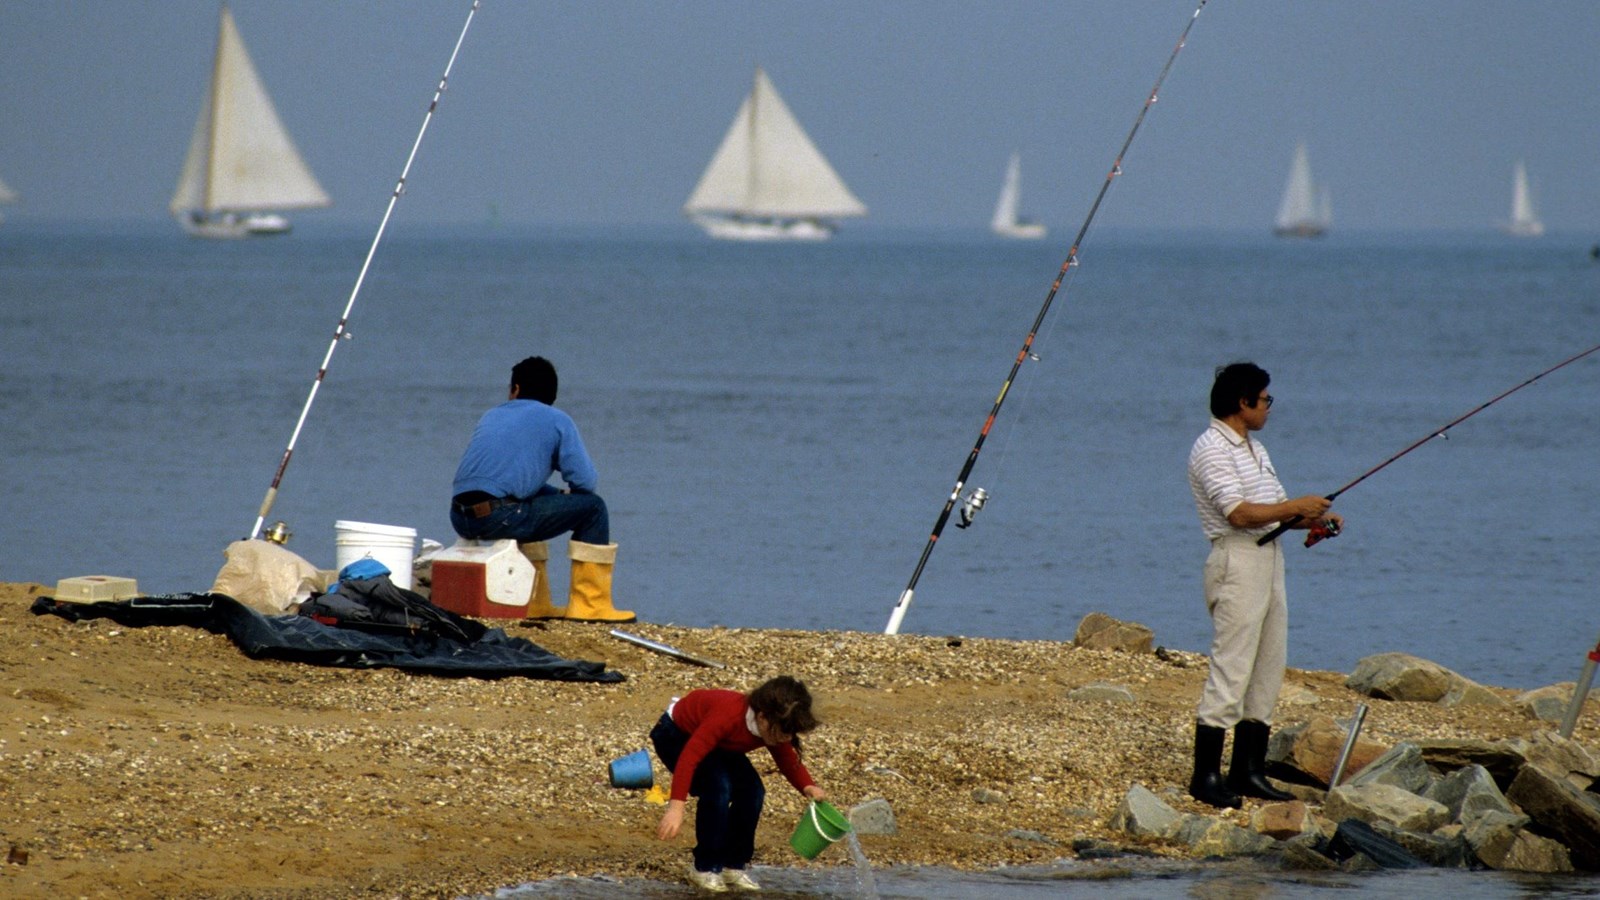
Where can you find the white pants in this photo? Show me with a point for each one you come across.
(1250, 623)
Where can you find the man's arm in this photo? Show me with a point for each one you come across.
(1253, 515)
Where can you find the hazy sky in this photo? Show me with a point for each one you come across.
(606, 112)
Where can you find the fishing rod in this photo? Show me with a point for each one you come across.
(1315, 536)
(339, 332)
(974, 501)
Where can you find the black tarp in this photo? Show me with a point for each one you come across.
(493, 654)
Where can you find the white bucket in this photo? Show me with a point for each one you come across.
(392, 545)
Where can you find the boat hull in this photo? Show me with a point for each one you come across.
(233, 226)
(739, 228)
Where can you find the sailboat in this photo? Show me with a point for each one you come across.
(768, 181)
(1006, 222)
(1524, 221)
(1302, 214)
(242, 166)
(7, 195)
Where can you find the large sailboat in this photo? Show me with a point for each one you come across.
(1303, 213)
(242, 168)
(7, 195)
(1524, 221)
(1006, 222)
(768, 181)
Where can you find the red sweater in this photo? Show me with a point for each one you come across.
(715, 720)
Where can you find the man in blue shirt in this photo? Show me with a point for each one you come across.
(502, 490)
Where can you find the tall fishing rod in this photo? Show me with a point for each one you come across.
(339, 332)
(976, 499)
(1311, 539)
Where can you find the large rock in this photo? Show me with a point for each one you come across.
(1503, 759)
(1401, 676)
(1143, 813)
(1549, 703)
(1283, 820)
(1314, 747)
(1563, 756)
(1402, 767)
(1468, 792)
(1373, 803)
(1444, 849)
(874, 816)
(1562, 810)
(1223, 838)
(1500, 842)
(1304, 853)
(1466, 692)
(1098, 631)
(1491, 834)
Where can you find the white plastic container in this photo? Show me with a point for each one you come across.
(393, 545)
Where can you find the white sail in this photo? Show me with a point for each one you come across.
(767, 179)
(7, 195)
(1524, 221)
(1300, 214)
(1006, 221)
(241, 160)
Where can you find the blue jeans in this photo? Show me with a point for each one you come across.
(731, 796)
(540, 518)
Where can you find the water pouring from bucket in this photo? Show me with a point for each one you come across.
(820, 826)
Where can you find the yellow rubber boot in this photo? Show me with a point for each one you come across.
(538, 553)
(589, 598)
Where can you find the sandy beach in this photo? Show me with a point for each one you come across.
(163, 762)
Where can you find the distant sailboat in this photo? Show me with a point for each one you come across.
(7, 195)
(767, 181)
(1302, 214)
(1524, 221)
(1006, 223)
(241, 165)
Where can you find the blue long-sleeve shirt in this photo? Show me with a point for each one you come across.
(517, 446)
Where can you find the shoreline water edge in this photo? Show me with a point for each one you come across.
(163, 762)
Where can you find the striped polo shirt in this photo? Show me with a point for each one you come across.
(1225, 470)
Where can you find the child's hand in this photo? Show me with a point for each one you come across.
(671, 821)
(814, 792)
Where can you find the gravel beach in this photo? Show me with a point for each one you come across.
(162, 762)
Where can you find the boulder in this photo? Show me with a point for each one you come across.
(1445, 848)
(1098, 631)
(1402, 767)
(1144, 814)
(1502, 759)
(1524, 851)
(1372, 803)
(1561, 809)
(1314, 747)
(1549, 703)
(1562, 756)
(1283, 820)
(1401, 676)
(1305, 853)
(1467, 792)
(1466, 692)
(1491, 834)
(1225, 839)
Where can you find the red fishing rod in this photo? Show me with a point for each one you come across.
(1321, 530)
(975, 500)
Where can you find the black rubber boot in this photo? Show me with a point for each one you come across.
(1207, 785)
(1247, 773)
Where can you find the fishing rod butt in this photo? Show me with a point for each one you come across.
(899, 613)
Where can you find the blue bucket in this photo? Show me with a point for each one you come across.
(632, 771)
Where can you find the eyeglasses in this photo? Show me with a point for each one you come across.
(1267, 400)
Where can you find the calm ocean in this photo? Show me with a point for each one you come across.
(777, 427)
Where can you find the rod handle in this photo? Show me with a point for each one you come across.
(1272, 535)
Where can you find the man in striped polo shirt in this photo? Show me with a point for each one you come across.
(1239, 498)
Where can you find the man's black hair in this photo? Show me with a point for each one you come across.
(535, 379)
(1240, 381)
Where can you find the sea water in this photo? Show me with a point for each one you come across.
(777, 428)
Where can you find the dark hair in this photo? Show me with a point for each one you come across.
(535, 379)
(785, 703)
(1235, 382)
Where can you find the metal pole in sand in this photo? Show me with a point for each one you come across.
(1349, 745)
(339, 332)
(665, 649)
(1580, 692)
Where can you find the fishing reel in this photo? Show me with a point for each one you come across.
(970, 504)
(1320, 529)
(279, 533)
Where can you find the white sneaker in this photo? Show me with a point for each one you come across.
(706, 881)
(739, 880)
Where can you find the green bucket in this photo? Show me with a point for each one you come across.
(819, 826)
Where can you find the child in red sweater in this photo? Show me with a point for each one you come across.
(703, 738)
